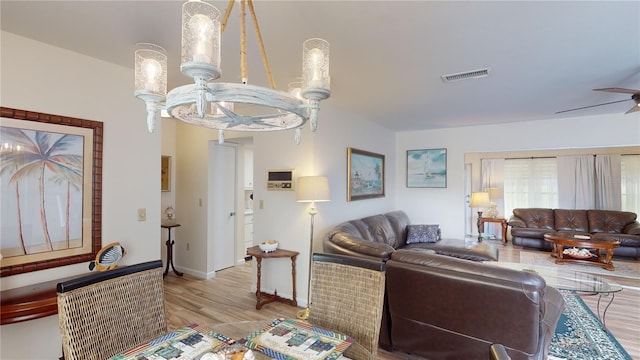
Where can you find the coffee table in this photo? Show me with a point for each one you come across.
(562, 239)
(571, 282)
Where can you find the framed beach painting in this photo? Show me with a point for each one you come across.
(365, 178)
(51, 183)
(427, 168)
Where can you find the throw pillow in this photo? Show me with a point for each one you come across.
(423, 234)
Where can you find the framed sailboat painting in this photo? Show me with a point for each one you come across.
(427, 168)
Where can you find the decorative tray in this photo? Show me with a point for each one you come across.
(578, 253)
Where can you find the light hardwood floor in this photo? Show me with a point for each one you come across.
(228, 298)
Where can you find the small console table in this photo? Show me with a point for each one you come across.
(170, 225)
(502, 221)
(279, 253)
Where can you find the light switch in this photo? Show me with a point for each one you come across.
(142, 214)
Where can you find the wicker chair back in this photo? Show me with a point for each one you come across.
(347, 295)
(105, 313)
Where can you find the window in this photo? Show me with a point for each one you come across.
(630, 183)
(530, 183)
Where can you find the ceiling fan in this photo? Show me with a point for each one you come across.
(635, 96)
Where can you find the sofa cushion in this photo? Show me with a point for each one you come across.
(609, 221)
(423, 234)
(536, 218)
(571, 220)
(381, 230)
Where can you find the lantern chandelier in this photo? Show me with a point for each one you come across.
(228, 106)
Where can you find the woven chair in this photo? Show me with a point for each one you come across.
(106, 313)
(347, 295)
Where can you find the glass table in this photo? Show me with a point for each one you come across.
(572, 282)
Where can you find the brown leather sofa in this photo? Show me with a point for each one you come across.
(441, 307)
(528, 226)
(378, 236)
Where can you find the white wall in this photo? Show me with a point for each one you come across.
(321, 153)
(447, 206)
(42, 78)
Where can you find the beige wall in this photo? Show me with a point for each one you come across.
(42, 78)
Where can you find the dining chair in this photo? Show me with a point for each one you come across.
(347, 295)
(105, 313)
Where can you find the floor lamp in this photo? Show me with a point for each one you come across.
(479, 200)
(311, 189)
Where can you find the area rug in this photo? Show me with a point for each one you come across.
(629, 269)
(580, 335)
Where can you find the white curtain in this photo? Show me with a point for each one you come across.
(530, 183)
(607, 182)
(493, 181)
(576, 182)
(630, 183)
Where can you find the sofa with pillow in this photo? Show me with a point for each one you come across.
(528, 226)
(378, 236)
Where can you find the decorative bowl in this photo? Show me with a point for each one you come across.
(268, 246)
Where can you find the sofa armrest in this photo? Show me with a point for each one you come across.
(632, 229)
(351, 244)
(515, 221)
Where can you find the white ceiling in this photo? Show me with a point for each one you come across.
(387, 56)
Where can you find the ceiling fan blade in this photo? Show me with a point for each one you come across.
(635, 108)
(618, 90)
(590, 106)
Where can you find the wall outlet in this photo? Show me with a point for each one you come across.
(142, 214)
(261, 204)
(187, 246)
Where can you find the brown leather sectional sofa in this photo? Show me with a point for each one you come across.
(447, 307)
(378, 236)
(529, 225)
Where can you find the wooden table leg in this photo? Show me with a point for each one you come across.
(504, 233)
(258, 291)
(294, 302)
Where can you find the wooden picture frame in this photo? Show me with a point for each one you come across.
(53, 216)
(365, 175)
(427, 168)
(165, 173)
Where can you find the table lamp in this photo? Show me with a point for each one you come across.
(311, 189)
(479, 200)
(494, 194)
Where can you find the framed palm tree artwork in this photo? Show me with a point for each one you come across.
(51, 181)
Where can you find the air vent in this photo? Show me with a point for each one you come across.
(474, 74)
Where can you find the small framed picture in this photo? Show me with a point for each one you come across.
(427, 168)
(165, 173)
(365, 178)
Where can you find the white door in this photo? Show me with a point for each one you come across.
(221, 229)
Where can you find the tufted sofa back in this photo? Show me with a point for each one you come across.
(536, 218)
(609, 221)
(389, 228)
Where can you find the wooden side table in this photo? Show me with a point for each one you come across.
(170, 225)
(263, 298)
(502, 221)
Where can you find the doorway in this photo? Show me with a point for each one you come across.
(221, 215)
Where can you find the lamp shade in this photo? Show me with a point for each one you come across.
(479, 200)
(494, 193)
(313, 189)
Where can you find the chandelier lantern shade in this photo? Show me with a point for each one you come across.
(200, 40)
(230, 106)
(151, 80)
